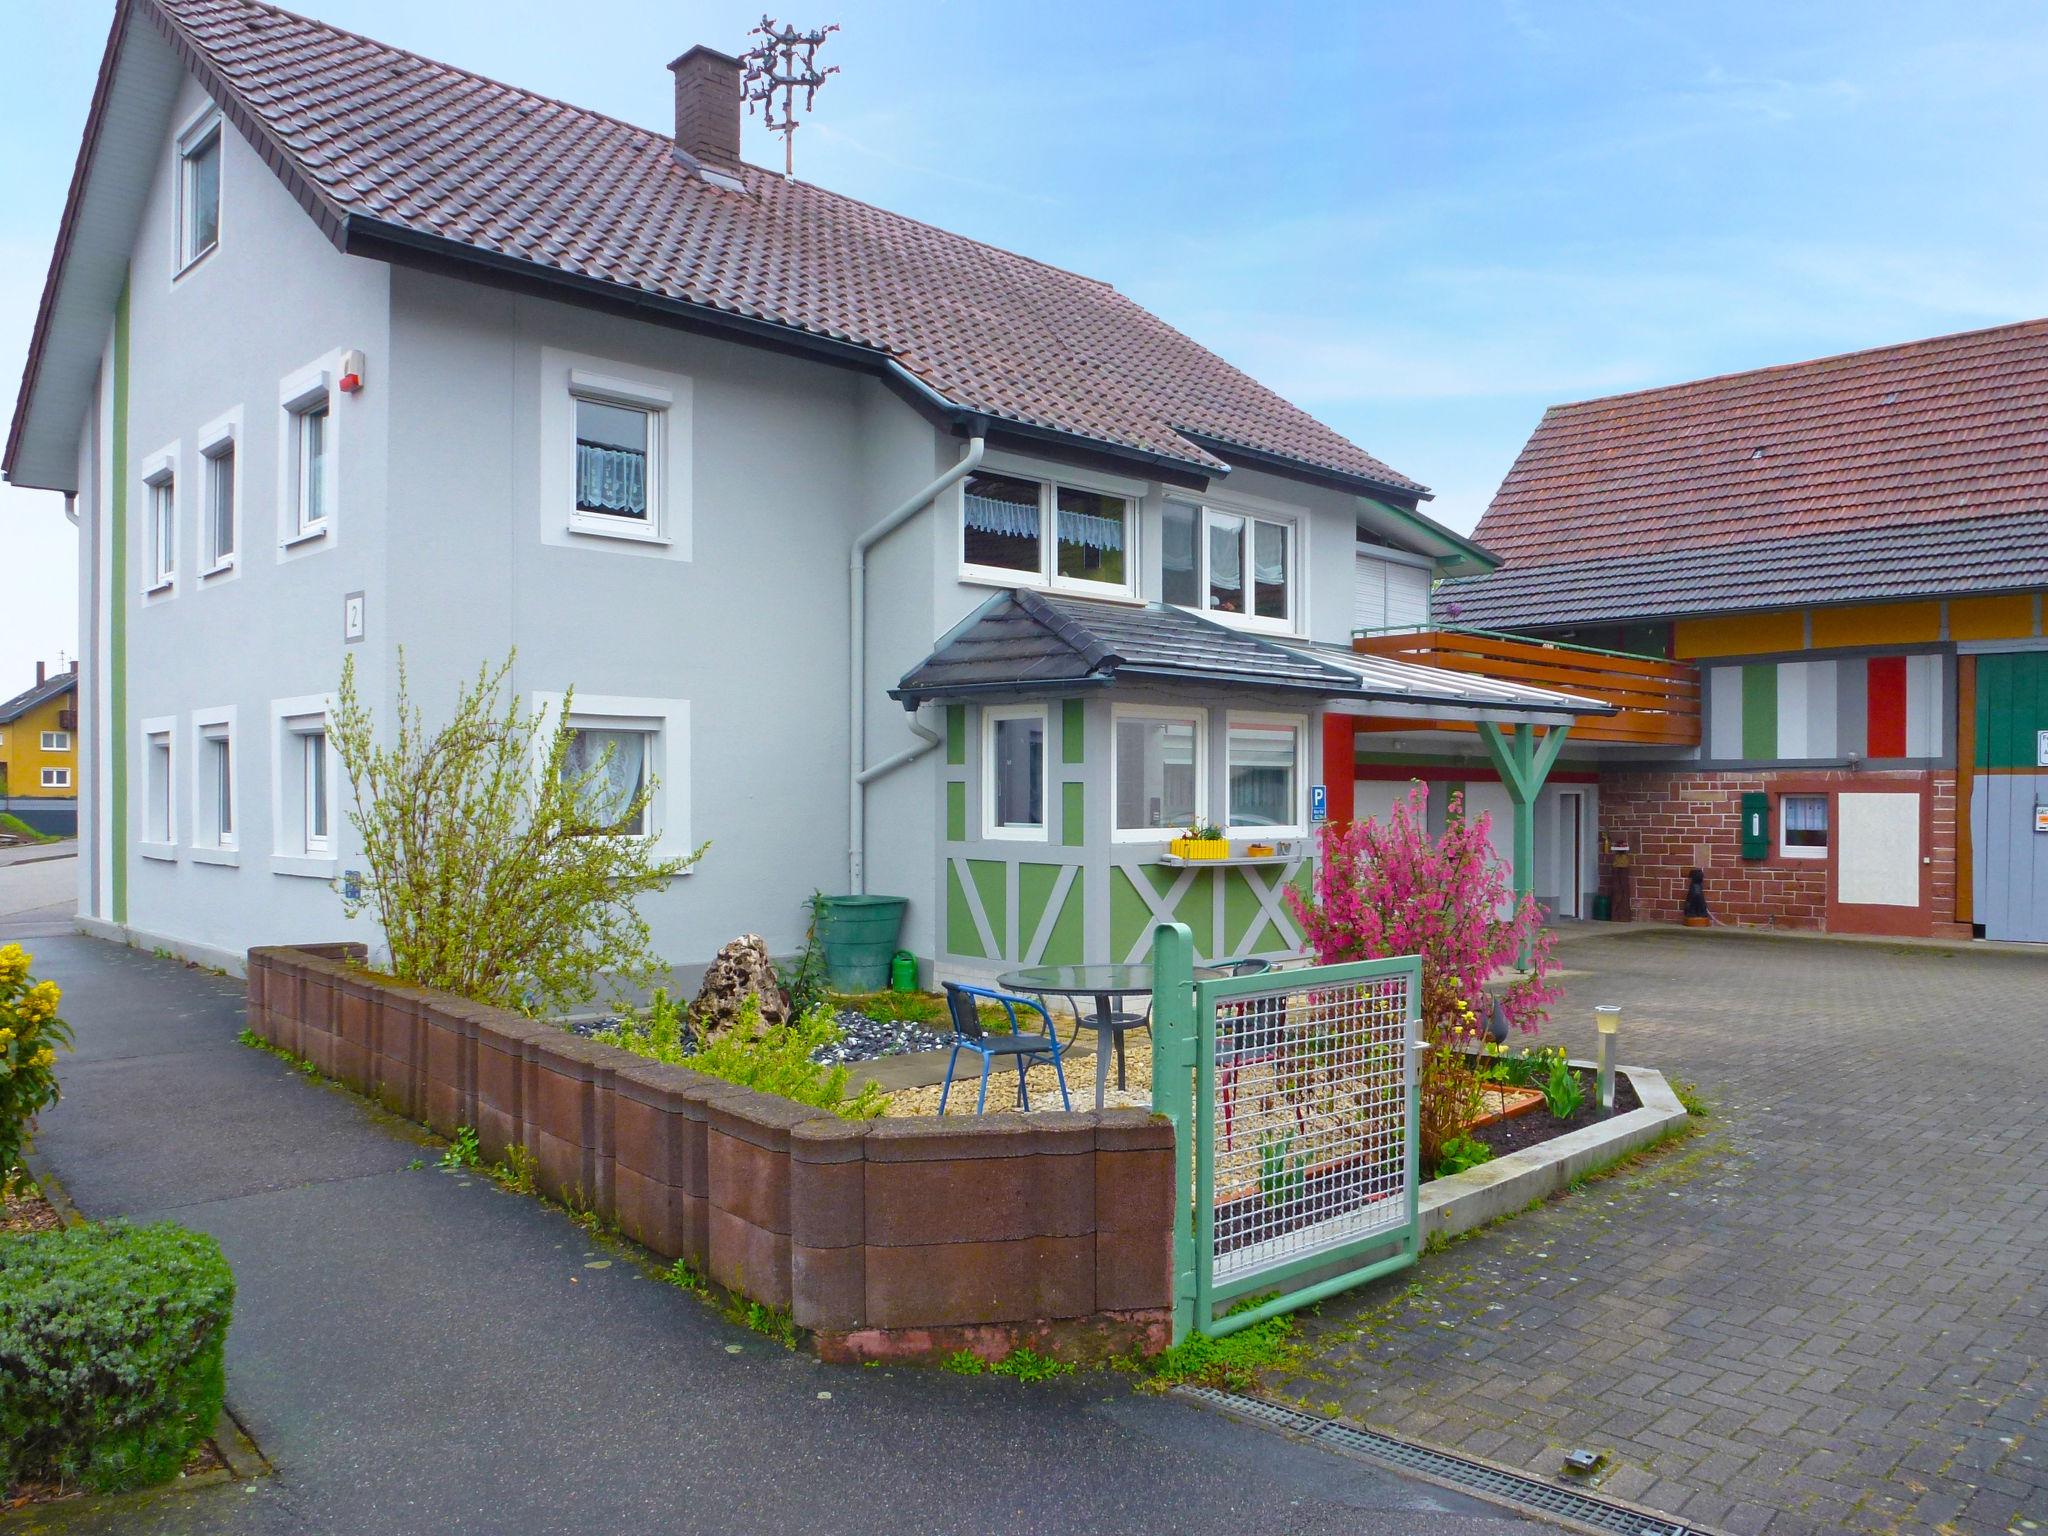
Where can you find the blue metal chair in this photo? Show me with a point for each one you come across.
(970, 1035)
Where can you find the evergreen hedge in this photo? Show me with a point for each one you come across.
(111, 1340)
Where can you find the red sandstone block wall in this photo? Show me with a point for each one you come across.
(885, 1237)
(1676, 821)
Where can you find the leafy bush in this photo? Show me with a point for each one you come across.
(493, 867)
(804, 980)
(110, 1352)
(1562, 1090)
(1462, 1152)
(30, 1033)
(1389, 887)
(774, 1060)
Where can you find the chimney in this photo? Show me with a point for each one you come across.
(708, 108)
(39, 674)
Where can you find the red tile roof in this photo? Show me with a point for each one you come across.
(1953, 427)
(367, 132)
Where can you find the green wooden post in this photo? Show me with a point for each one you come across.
(1173, 1095)
(1523, 765)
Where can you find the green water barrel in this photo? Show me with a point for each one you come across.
(858, 935)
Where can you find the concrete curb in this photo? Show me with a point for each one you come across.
(1504, 1186)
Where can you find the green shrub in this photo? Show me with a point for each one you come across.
(22, 829)
(775, 1060)
(110, 1352)
(1462, 1152)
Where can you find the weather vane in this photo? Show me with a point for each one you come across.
(785, 60)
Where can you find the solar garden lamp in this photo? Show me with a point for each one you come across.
(1607, 1020)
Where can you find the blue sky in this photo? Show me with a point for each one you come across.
(1422, 222)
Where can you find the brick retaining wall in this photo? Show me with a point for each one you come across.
(881, 1238)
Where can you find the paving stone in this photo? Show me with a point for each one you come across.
(1825, 1312)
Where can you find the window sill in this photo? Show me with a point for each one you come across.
(622, 535)
(163, 853)
(231, 857)
(1270, 627)
(986, 576)
(161, 588)
(218, 568)
(1804, 855)
(305, 536)
(305, 867)
(1014, 834)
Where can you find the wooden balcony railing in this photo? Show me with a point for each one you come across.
(1658, 701)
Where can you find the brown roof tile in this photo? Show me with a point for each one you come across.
(376, 133)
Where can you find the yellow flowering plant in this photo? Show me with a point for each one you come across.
(30, 1035)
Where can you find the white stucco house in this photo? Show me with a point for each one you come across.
(905, 564)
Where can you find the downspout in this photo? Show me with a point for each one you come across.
(71, 507)
(859, 777)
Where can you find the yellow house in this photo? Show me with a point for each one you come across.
(39, 750)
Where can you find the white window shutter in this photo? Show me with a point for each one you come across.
(1407, 595)
(1369, 604)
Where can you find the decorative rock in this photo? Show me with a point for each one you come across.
(741, 970)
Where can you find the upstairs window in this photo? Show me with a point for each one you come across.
(218, 513)
(615, 478)
(56, 778)
(1233, 565)
(163, 531)
(199, 190)
(1015, 529)
(56, 741)
(309, 435)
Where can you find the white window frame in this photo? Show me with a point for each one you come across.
(158, 729)
(56, 741)
(1194, 712)
(207, 125)
(56, 778)
(222, 434)
(1047, 577)
(991, 715)
(1296, 622)
(1299, 826)
(656, 403)
(211, 842)
(297, 395)
(558, 378)
(294, 851)
(1798, 851)
(159, 565)
(668, 722)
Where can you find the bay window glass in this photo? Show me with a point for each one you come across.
(1093, 536)
(615, 764)
(1014, 774)
(1157, 771)
(1002, 524)
(1226, 563)
(1180, 563)
(613, 454)
(1264, 762)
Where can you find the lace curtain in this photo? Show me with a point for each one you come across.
(620, 779)
(1019, 521)
(611, 479)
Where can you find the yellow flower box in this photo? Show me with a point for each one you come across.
(1200, 847)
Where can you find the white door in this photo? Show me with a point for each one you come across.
(1571, 853)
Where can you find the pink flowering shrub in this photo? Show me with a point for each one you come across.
(1390, 888)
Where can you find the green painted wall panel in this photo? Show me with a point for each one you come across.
(1240, 908)
(956, 734)
(1072, 738)
(962, 937)
(1128, 914)
(2012, 705)
(1760, 709)
(1035, 884)
(990, 878)
(1073, 813)
(1198, 910)
(1067, 943)
(1271, 941)
(956, 811)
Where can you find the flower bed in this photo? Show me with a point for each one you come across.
(880, 1237)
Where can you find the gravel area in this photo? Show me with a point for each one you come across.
(867, 1039)
(1045, 1090)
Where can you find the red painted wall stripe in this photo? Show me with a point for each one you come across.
(1885, 709)
(1340, 735)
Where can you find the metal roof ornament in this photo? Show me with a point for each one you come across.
(785, 60)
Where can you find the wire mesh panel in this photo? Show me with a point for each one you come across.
(1304, 1134)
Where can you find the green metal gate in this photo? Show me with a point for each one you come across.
(1295, 1092)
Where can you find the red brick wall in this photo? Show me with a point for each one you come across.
(881, 1238)
(1676, 821)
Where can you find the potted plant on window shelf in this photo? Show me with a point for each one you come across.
(1202, 840)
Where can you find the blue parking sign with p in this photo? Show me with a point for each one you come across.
(1318, 802)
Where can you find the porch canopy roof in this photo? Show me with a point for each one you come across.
(1022, 643)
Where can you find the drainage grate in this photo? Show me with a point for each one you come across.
(1523, 1492)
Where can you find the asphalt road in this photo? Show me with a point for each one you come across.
(417, 1351)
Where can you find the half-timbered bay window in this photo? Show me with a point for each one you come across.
(1019, 530)
(1233, 565)
(1157, 769)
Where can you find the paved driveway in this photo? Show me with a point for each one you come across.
(1826, 1312)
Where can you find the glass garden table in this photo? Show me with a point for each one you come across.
(1107, 984)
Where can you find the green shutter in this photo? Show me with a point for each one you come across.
(1760, 710)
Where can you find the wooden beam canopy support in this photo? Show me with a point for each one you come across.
(1523, 763)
